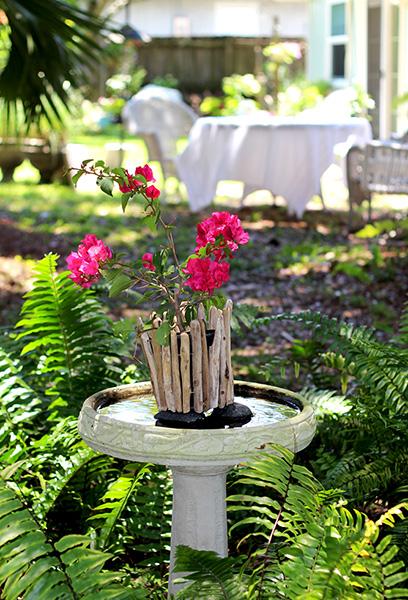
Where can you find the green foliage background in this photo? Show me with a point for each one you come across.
(75, 524)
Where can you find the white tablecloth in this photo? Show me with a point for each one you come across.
(285, 155)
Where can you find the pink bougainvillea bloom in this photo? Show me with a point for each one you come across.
(152, 192)
(131, 185)
(205, 275)
(85, 264)
(146, 172)
(92, 248)
(222, 225)
(147, 261)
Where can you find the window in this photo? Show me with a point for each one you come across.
(337, 40)
(338, 19)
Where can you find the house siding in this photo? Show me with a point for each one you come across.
(208, 17)
(317, 56)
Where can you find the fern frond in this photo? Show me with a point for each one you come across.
(19, 405)
(32, 567)
(69, 336)
(403, 328)
(210, 575)
(326, 551)
(61, 469)
(115, 500)
(326, 401)
(148, 518)
(380, 367)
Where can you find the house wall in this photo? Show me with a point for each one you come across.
(376, 56)
(318, 31)
(206, 18)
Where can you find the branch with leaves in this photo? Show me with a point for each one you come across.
(181, 285)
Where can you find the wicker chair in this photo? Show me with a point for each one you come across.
(380, 168)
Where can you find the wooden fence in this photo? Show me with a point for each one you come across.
(199, 64)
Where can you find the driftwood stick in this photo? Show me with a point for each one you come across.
(185, 370)
(148, 352)
(175, 367)
(214, 362)
(167, 379)
(204, 366)
(197, 386)
(229, 376)
(213, 318)
(156, 321)
(159, 369)
(223, 366)
(201, 312)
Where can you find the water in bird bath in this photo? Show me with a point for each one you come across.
(141, 410)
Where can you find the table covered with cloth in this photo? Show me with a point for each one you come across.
(285, 155)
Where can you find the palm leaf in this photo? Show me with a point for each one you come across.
(50, 42)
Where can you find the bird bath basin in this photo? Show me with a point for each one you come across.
(120, 422)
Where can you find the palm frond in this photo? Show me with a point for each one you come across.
(51, 42)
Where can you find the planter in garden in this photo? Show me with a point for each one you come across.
(49, 159)
(187, 346)
(192, 374)
(187, 417)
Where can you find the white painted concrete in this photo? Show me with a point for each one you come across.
(199, 459)
(199, 518)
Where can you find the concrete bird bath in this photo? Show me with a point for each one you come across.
(120, 422)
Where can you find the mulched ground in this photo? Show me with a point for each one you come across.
(268, 274)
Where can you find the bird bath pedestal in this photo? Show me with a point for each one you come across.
(119, 422)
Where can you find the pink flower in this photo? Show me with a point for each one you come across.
(85, 264)
(205, 274)
(152, 192)
(147, 260)
(220, 230)
(131, 185)
(146, 172)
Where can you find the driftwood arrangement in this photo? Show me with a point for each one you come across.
(194, 371)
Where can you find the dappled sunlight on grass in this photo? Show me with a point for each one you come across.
(289, 264)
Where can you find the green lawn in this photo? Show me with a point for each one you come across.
(289, 265)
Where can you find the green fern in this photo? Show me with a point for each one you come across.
(403, 328)
(115, 500)
(382, 367)
(148, 518)
(210, 576)
(289, 489)
(309, 545)
(64, 476)
(68, 336)
(19, 405)
(33, 568)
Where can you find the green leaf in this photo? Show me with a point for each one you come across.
(125, 200)
(120, 172)
(75, 178)
(140, 178)
(118, 283)
(163, 333)
(86, 162)
(100, 163)
(106, 185)
(150, 221)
